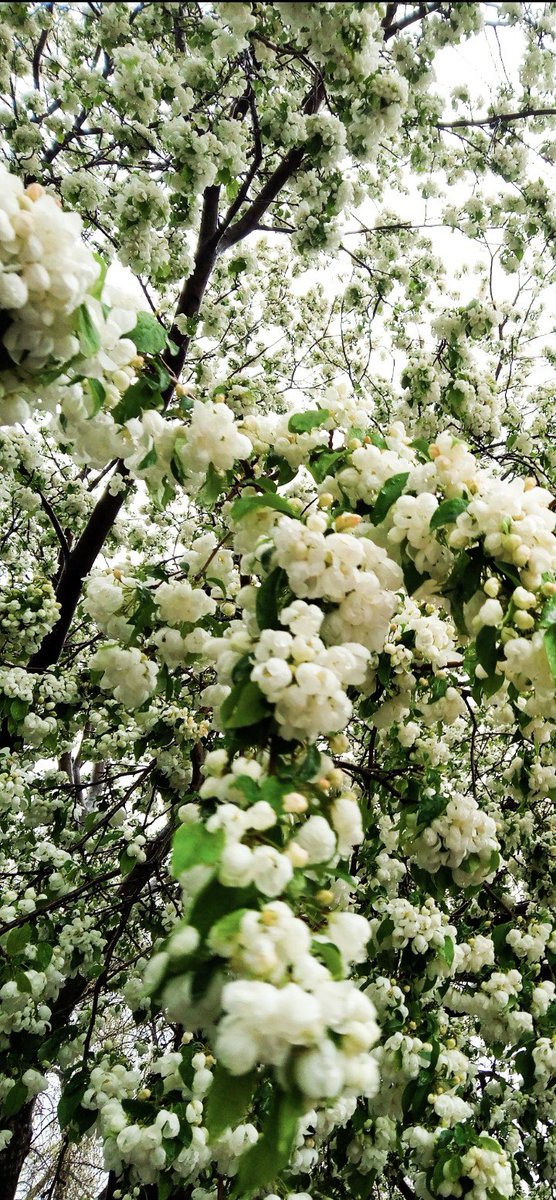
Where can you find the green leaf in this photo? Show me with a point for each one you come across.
(148, 335)
(447, 951)
(414, 1098)
(23, 982)
(151, 457)
(43, 957)
(216, 900)
(177, 470)
(387, 496)
(465, 575)
(194, 844)
(272, 596)
(96, 290)
(411, 576)
(310, 765)
(71, 1097)
(89, 337)
(550, 648)
(430, 808)
(384, 930)
(321, 465)
(139, 1110)
(452, 1169)
(18, 938)
(504, 953)
(248, 788)
(15, 1099)
(510, 572)
(548, 615)
(229, 1100)
(248, 504)
(127, 863)
(447, 513)
(421, 445)
(244, 706)
(165, 1186)
(237, 265)
(264, 1161)
(228, 925)
(384, 669)
(98, 396)
(525, 1064)
(81, 1121)
(304, 422)
(19, 709)
(330, 956)
(486, 649)
(138, 398)
(489, 1143)
(215, 483)
(49, 1048)
(491, 685)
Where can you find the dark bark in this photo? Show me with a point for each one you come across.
(405, 1190)
(76, 567)
(194, 288)
(15, 1153)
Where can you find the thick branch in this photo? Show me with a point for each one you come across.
(497, 118)
(405, 1190)
(423, 10)
(193, 290)
(273, 186)
(13, 1157)
(76, 567)
(38, 53)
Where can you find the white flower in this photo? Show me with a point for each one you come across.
(317, 839)
(319, 1072)
(347, 822)
(490, 613)
(236, 865)
(126, 672)
(350, 932)
(452, 1109)
(178, 602)
(271, 870)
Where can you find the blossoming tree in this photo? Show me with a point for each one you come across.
(278, 608)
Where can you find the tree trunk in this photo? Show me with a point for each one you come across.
(15, 1153)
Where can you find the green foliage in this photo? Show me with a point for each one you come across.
(264, 1161)
(89, 337)
(387, 496)
(229, 1100)
(447, 513)
(244, 706)
(249, 504)
(272, 596)
(304, 422)
(193, 844)
(148, 334)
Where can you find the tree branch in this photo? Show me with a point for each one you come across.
(41, 43)
(50, 514)
(273, 186)
(194, 287)
(404, 1188)
(423, 10)
(497, 118)
(77, 565)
